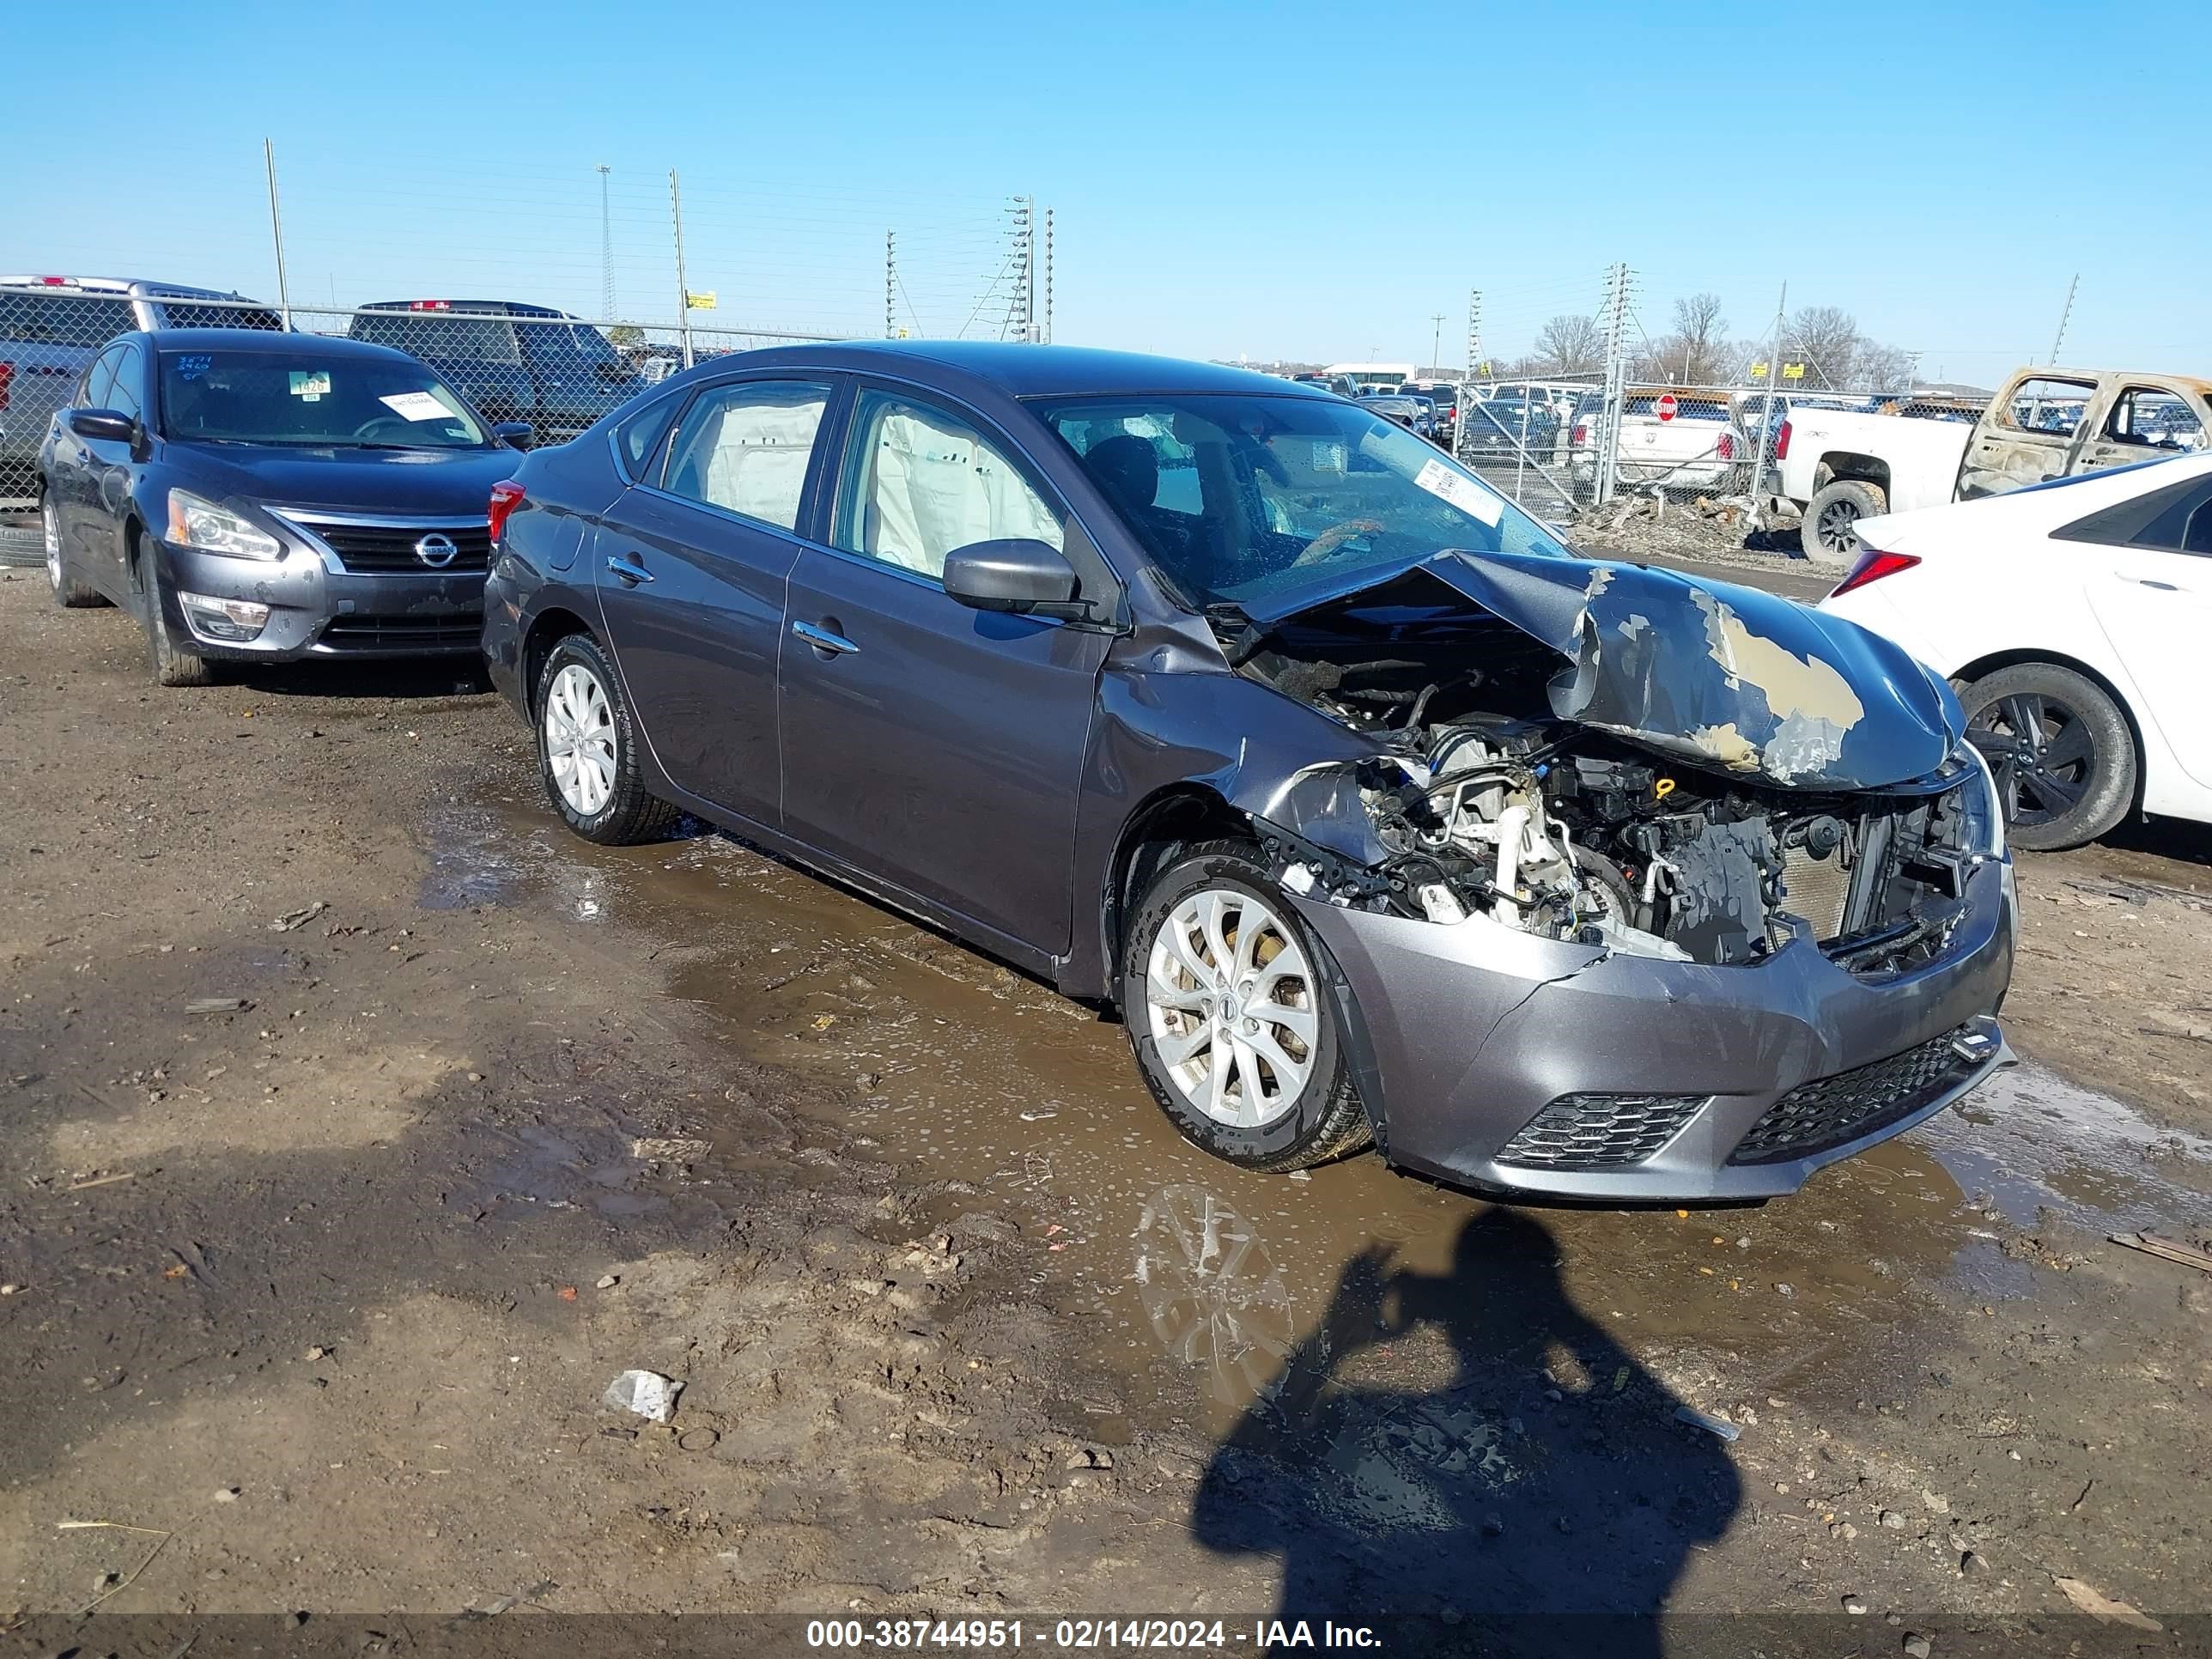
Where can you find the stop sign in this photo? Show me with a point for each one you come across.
(1666, 406)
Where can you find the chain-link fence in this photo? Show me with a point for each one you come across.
(511, 361)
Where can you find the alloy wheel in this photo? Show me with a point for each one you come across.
(2040, 752)
(579, 740)
(1230, 999)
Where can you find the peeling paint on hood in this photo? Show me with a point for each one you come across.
(1728, 678)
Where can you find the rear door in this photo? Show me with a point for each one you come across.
(2026, 435)
(692, 569)
(926, 745)
(2154, 601)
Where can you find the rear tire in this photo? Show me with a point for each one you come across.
(171, 665)
(1276, 1092)
(2060, 749)
(71, 591)
(1831, 533)
(588, 749)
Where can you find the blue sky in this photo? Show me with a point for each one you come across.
(1277, 181)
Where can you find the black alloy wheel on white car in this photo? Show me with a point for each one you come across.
(588, 749)
(2060, 750)
(1230, 1016)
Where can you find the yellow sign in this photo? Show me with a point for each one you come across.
(1759, 371)
(1793, 371)
(701, 301)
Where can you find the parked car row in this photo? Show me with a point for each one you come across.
(1225, 702)
(513, 362)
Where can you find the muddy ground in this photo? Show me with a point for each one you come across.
(310, 1300)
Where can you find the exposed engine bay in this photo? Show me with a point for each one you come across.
(1482, 803)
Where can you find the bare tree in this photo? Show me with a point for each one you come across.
(1884, 368)
(1825, 339)
(1569, 345)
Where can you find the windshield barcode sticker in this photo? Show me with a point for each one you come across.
(1463, 492)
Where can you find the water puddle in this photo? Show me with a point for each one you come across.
(1205, 1289)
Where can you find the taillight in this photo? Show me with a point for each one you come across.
(7, 379)
(1581, 433)
(1781, 443)
(1873, 565)
(1726, 448)
(506, 496)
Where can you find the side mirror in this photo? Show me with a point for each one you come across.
(518, 434)
(1016, 574)
(103, 423)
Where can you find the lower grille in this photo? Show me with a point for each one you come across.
(383, 548)
(1830, 1111)
(1600, 1131)
(425, 633)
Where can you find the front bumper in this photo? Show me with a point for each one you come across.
(317, 612)
(1470, 1031)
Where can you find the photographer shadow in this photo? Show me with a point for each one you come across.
(1519, 1508)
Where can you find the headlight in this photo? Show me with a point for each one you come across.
(1985, 819)
(194, 522)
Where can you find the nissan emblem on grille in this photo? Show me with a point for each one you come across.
(436, 551)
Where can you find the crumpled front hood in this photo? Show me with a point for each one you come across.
(1724, 676)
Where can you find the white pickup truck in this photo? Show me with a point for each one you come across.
(1838, 466)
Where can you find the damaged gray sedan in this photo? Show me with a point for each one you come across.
(1381, 815)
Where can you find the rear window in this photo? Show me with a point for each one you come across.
(186, 313)
(454, 336)
(63, 320)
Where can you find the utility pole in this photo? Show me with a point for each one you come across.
(683, 290)
(1047, 276)
(1436, 341)
(890, 284)
(1767, 427)
(276, 232)
(1465, 416)
(2058, 340)
(606, 249)
(1618, 282)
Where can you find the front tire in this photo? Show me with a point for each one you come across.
(71, 591)
(1230, 1019)
(172, 666)
(588, 749)
(2060, 749)
(1831, 535)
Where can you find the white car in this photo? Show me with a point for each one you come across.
(2076, 619)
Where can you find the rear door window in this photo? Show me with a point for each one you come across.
(2049, 407)
(745, 448)
(639, 436)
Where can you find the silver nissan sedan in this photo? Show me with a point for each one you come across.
(1381, 815)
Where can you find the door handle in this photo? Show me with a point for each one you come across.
(822, 640)
(626, 566)
(2163, 588)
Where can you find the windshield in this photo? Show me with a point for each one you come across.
(302, 399)
(1234, 495)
